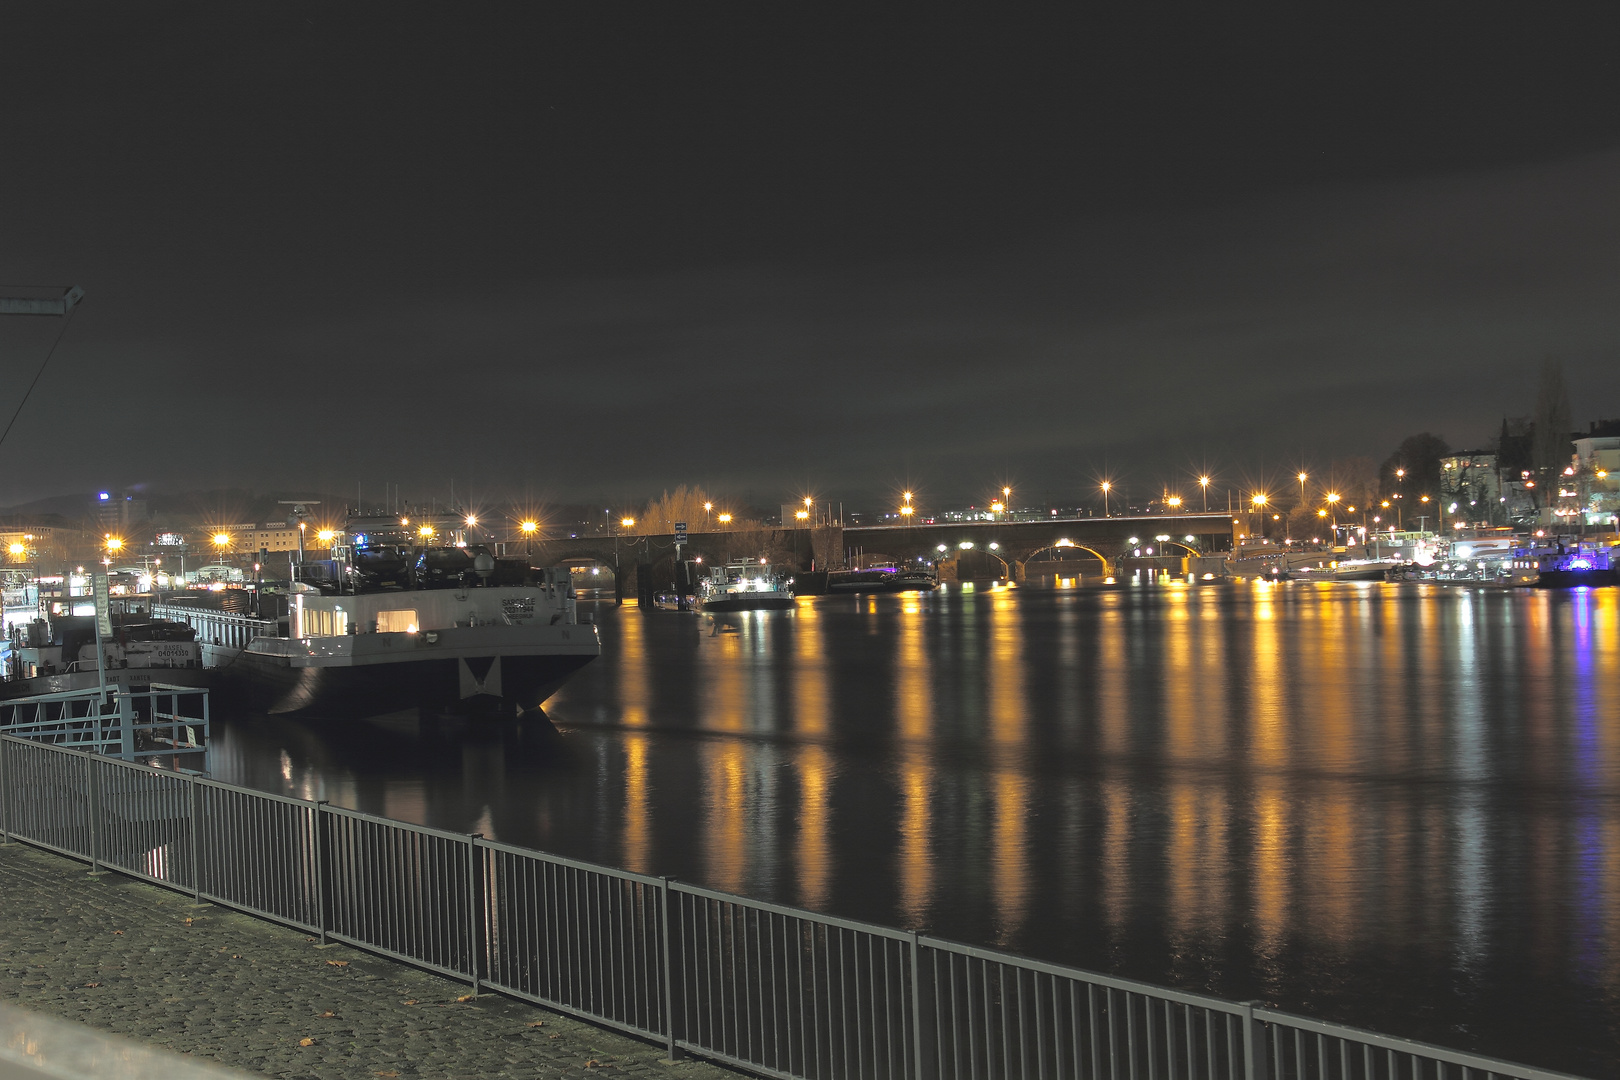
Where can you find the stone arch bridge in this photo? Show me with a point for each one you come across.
(1012, 543)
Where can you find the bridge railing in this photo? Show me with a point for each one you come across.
(775, 990)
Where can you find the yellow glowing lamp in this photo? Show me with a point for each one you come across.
(1258, 500)
(471, 520)
(627, 522)
(114, 543)
(529, 527)
(1174, 501)
(17, 549)
(725, 519)
(425, 531)
(803, 515)
(996, 508)
(325, 536)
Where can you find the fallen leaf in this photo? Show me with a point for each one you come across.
(188, 920)
(408, 1001)
(337, 963)
(537, 1023)
(330, 1015)
(92, 984)
(592, 1063)
(119, 933)
(306, 1041)
(390, 1072)
(553, 1036)
(465, 997)
(236, 956)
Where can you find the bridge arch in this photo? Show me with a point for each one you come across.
(1108, 567)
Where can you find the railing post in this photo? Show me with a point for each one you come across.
(475, 901)
(95, 811)
(321, 888)
(196, 842)
(916, 1004)
(665, 932)
(5, 789)
(126, 737)
(1254, 1045)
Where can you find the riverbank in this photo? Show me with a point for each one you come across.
(130, 958)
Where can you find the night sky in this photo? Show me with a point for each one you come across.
(562, 254)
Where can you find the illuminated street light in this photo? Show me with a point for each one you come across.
(325, 536)
(996, 507)
(626, 523)
(1302, 478)
(1106, 488)
(1173, 502)
(803, 515)
(1203, 482)
(114, 543)
(724, 519)
(471, 521)
(425, 532)
(18, 549)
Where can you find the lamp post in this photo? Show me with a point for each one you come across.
(1302, 477)
(1258, 502)
(1106, 487)
(1203, 482)
(706, 508)
(528, 528)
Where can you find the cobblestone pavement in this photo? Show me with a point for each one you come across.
(124, 956)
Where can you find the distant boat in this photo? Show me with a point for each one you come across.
(745, 587)
(881, 579)
(1582, 564)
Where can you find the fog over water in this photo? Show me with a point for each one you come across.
(1393, 806)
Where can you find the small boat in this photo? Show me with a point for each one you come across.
(58, 654)
(745, 587)
(1576, 565)
(881, 579)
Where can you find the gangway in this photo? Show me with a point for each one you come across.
(162, 721)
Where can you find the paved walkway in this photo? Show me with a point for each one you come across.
(127, 957)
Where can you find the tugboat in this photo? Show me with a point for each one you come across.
(389, 623)
(745, 587)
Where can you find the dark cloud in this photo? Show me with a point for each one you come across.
(611, 255)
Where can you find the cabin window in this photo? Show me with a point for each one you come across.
(397, 622)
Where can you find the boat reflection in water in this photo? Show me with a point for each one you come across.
(1396, 806)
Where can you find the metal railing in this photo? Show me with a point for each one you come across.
(772, 989)
(160, 721)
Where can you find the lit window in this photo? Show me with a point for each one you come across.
(397, 622)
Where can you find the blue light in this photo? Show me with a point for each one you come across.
(104, 496)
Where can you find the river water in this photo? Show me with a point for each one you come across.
(1394, 806)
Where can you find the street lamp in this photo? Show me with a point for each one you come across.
(1301, 478)
(724, 519)
(706, 508)
(1173, 502)
(529, 528)
(1106, 488)
(627, 522)
(1258, 502)
(1203, 482)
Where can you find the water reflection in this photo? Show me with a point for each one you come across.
(1394, 806)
